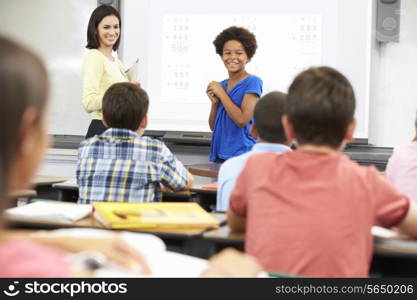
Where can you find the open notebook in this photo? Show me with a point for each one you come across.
(51, 211)
(163, 263)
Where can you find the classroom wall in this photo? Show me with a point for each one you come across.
(56, 31)
(393, 102)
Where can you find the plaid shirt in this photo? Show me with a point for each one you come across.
(121, 166)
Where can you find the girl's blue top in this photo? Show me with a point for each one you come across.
(228, 139)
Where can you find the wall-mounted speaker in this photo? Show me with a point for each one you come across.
(388, 20)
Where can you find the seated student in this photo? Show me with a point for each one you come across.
(402, 168)
(23, 88)
(122, 166)
(310, 211)
(270, 136)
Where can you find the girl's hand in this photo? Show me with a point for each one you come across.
(215, 88)
(213, 98)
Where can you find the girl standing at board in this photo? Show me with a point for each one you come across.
(233, 100)
(100, 68)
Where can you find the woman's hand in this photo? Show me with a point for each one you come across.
(135, 82)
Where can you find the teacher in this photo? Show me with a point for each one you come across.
(100, 68)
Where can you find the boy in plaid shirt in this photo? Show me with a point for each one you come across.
(121, 165)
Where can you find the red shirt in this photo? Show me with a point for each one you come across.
(311, 213)
(24, 258)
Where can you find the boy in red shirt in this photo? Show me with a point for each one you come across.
(310, 211)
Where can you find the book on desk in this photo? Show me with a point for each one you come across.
(153, 215)
(52, 211)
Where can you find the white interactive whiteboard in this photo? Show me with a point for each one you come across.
(173, 41)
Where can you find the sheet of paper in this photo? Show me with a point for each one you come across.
(383, 232)
(132, 72)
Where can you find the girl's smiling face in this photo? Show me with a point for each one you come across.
(234, 56)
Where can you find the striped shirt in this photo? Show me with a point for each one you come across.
(121, 166)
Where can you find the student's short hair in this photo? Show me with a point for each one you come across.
(244, 36)
(96, 17)
(125, 105)
(23, 85)
(267, 116)
(320, 106)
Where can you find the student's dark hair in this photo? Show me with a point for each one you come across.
(267, 116)
(320, 106)
(125, 105)
(244, 36)
(23, 84)
(96, 17)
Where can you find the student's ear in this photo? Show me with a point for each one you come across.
(254, 131)
(288, 129)
(350, 131)
(144, 122)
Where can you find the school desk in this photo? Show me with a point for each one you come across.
(205, 170)
(399, 246)
(179, 240)
(206, 197)
(43, 186)
(393, 257)
(68, 192)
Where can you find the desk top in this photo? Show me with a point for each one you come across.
(224, 235)
(72, 185)
(47, 180)
(69, 184)
(202, 189)
(22, 193)
(206, 170)
(392, 247)
(395, 247)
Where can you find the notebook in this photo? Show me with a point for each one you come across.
(153, 215)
